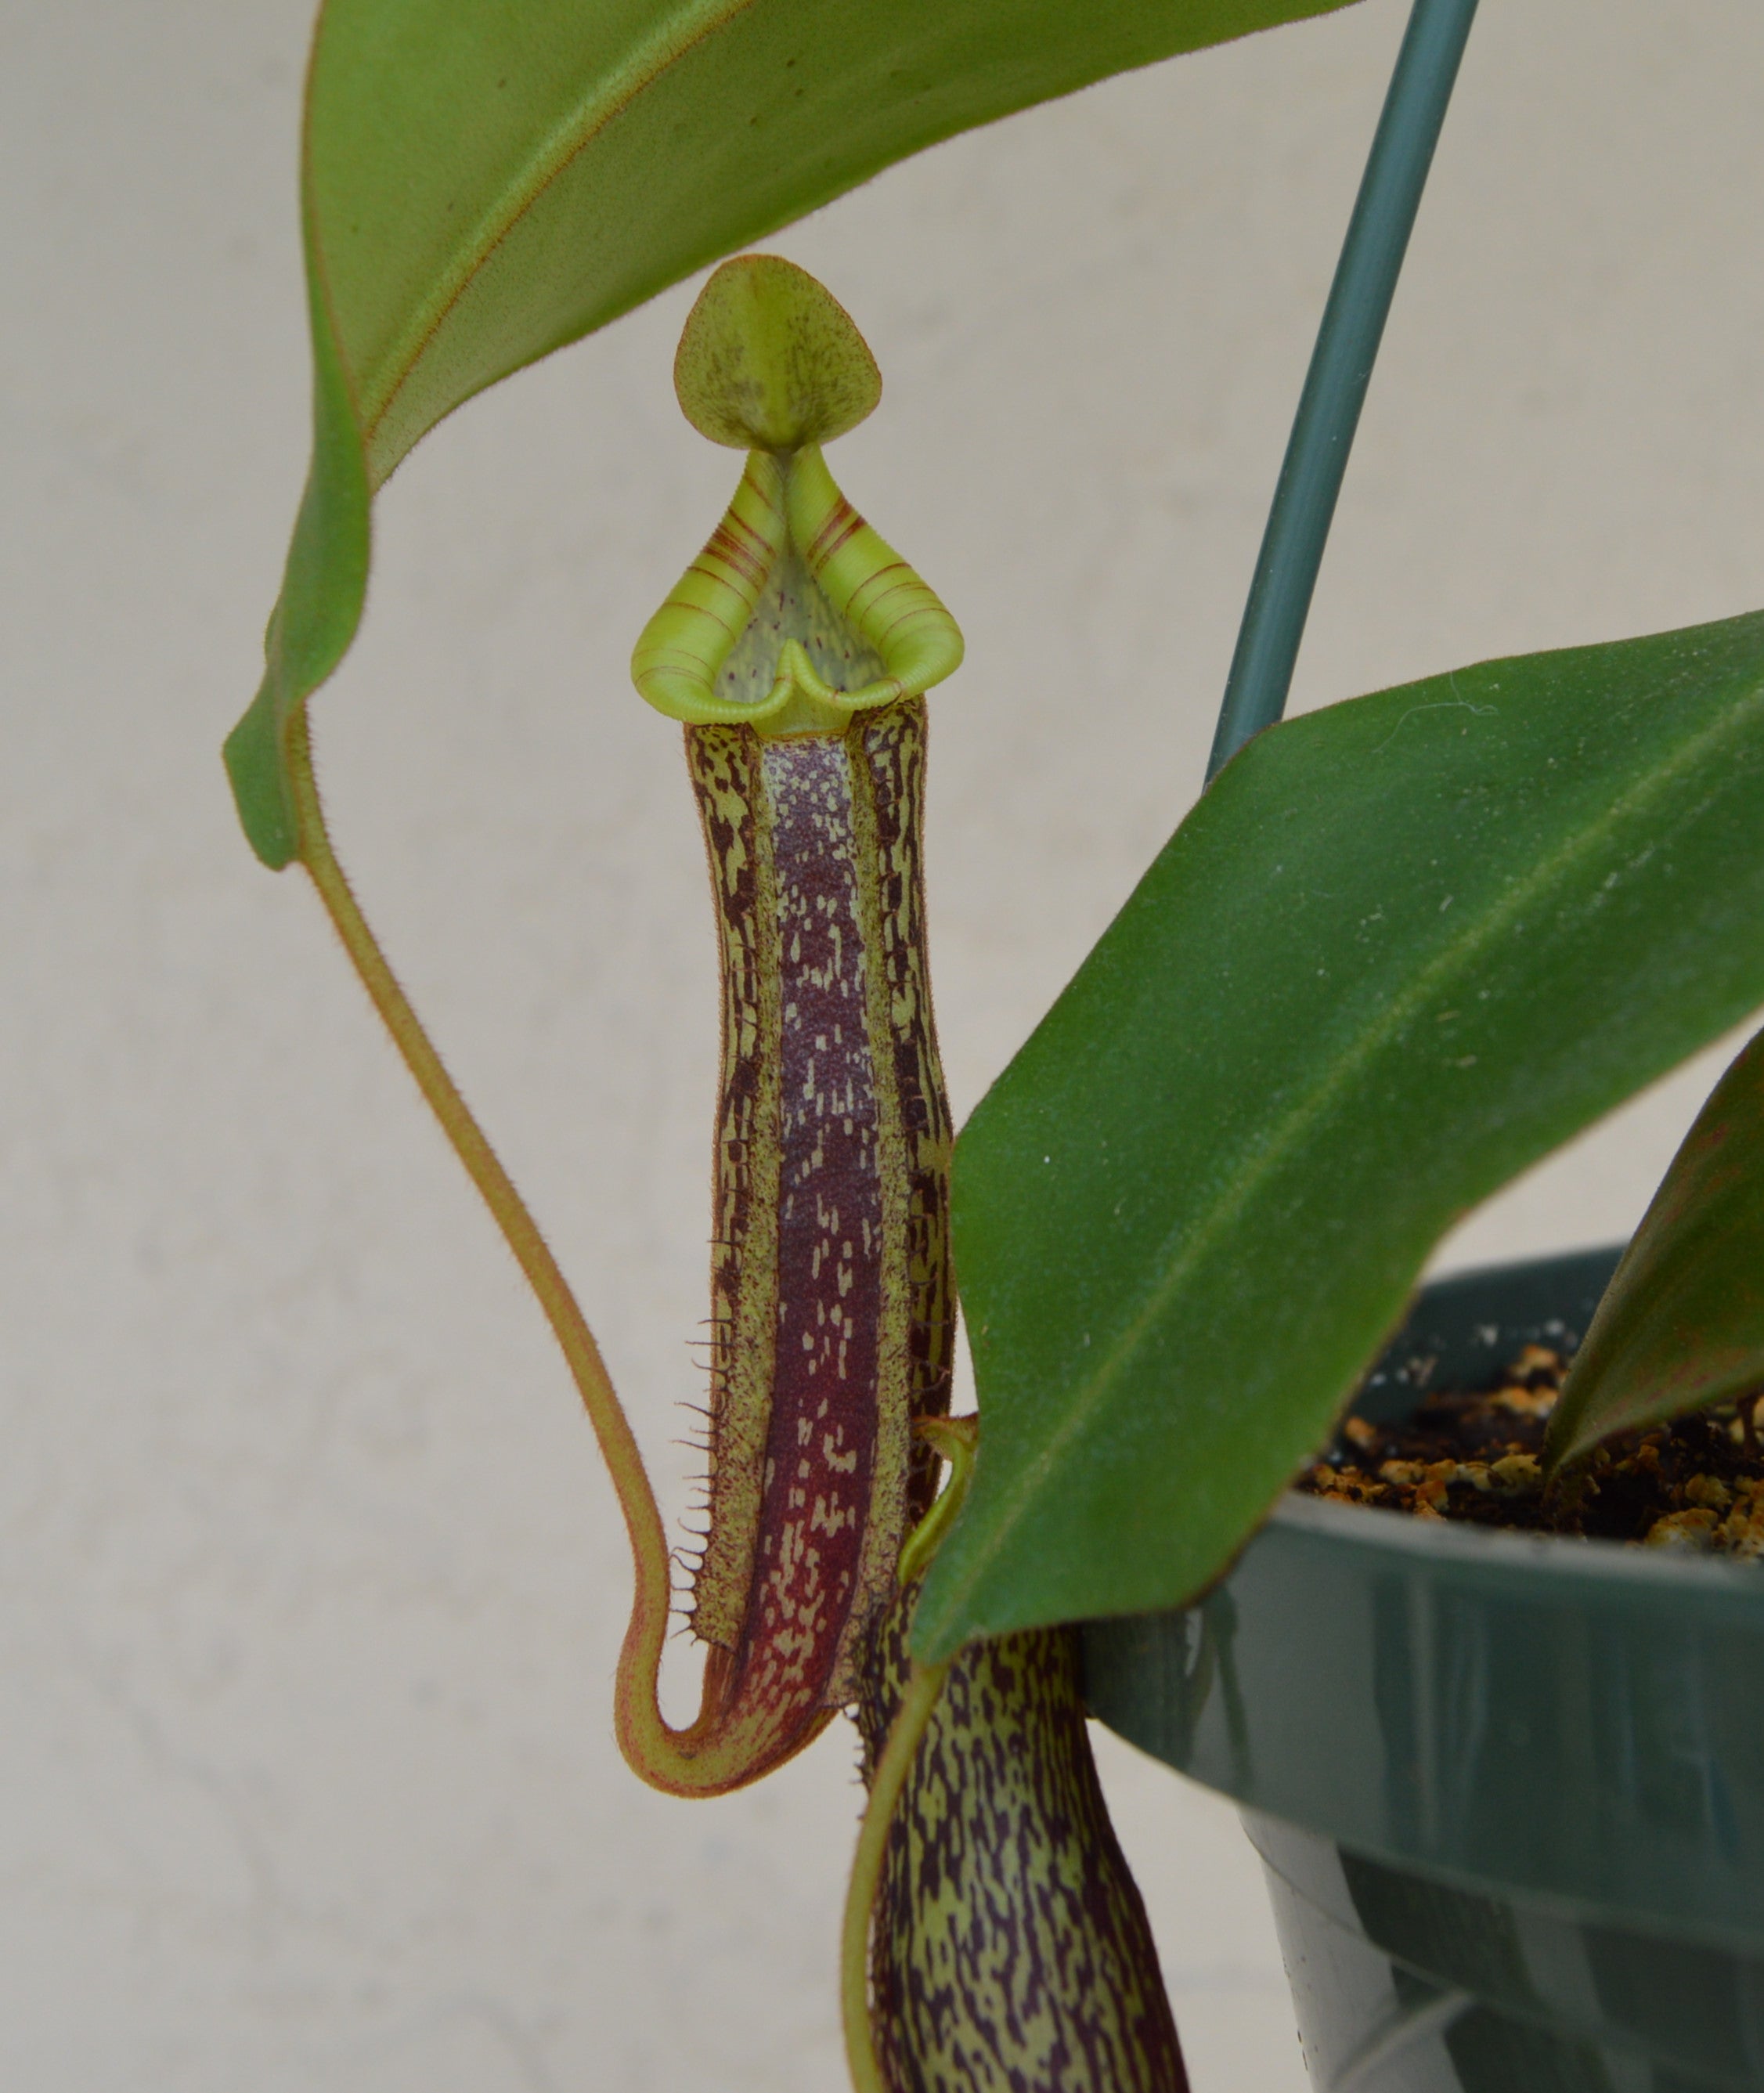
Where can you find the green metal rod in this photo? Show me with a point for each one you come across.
(1340, 367)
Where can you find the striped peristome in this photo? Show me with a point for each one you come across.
(789, 533)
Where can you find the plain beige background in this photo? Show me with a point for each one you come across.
(309, 1584)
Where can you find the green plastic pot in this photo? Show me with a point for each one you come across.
(1509, 1790)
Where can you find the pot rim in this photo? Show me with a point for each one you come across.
(1577, 1723)
(1667, 1574)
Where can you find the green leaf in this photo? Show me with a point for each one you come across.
(1682, 1323)
(1401, 948)
(485, 180)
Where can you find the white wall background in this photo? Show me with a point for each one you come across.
(309, 1584)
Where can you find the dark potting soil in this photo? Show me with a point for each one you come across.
(1697, 1482)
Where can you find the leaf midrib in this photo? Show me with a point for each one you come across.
(1291, 1132)
(571, 135)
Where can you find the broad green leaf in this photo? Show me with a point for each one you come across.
(1682, 1323)
(485, 180)
(1401, 948)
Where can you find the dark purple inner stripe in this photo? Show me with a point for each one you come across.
(820, 1447)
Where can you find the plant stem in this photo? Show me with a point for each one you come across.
(1341, 368)
(618, 1445)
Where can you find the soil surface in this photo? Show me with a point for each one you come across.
(1696, 1484)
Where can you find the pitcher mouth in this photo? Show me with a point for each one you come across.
(796, 616)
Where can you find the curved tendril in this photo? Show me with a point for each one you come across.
(665, 1757)
(957, 1438)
